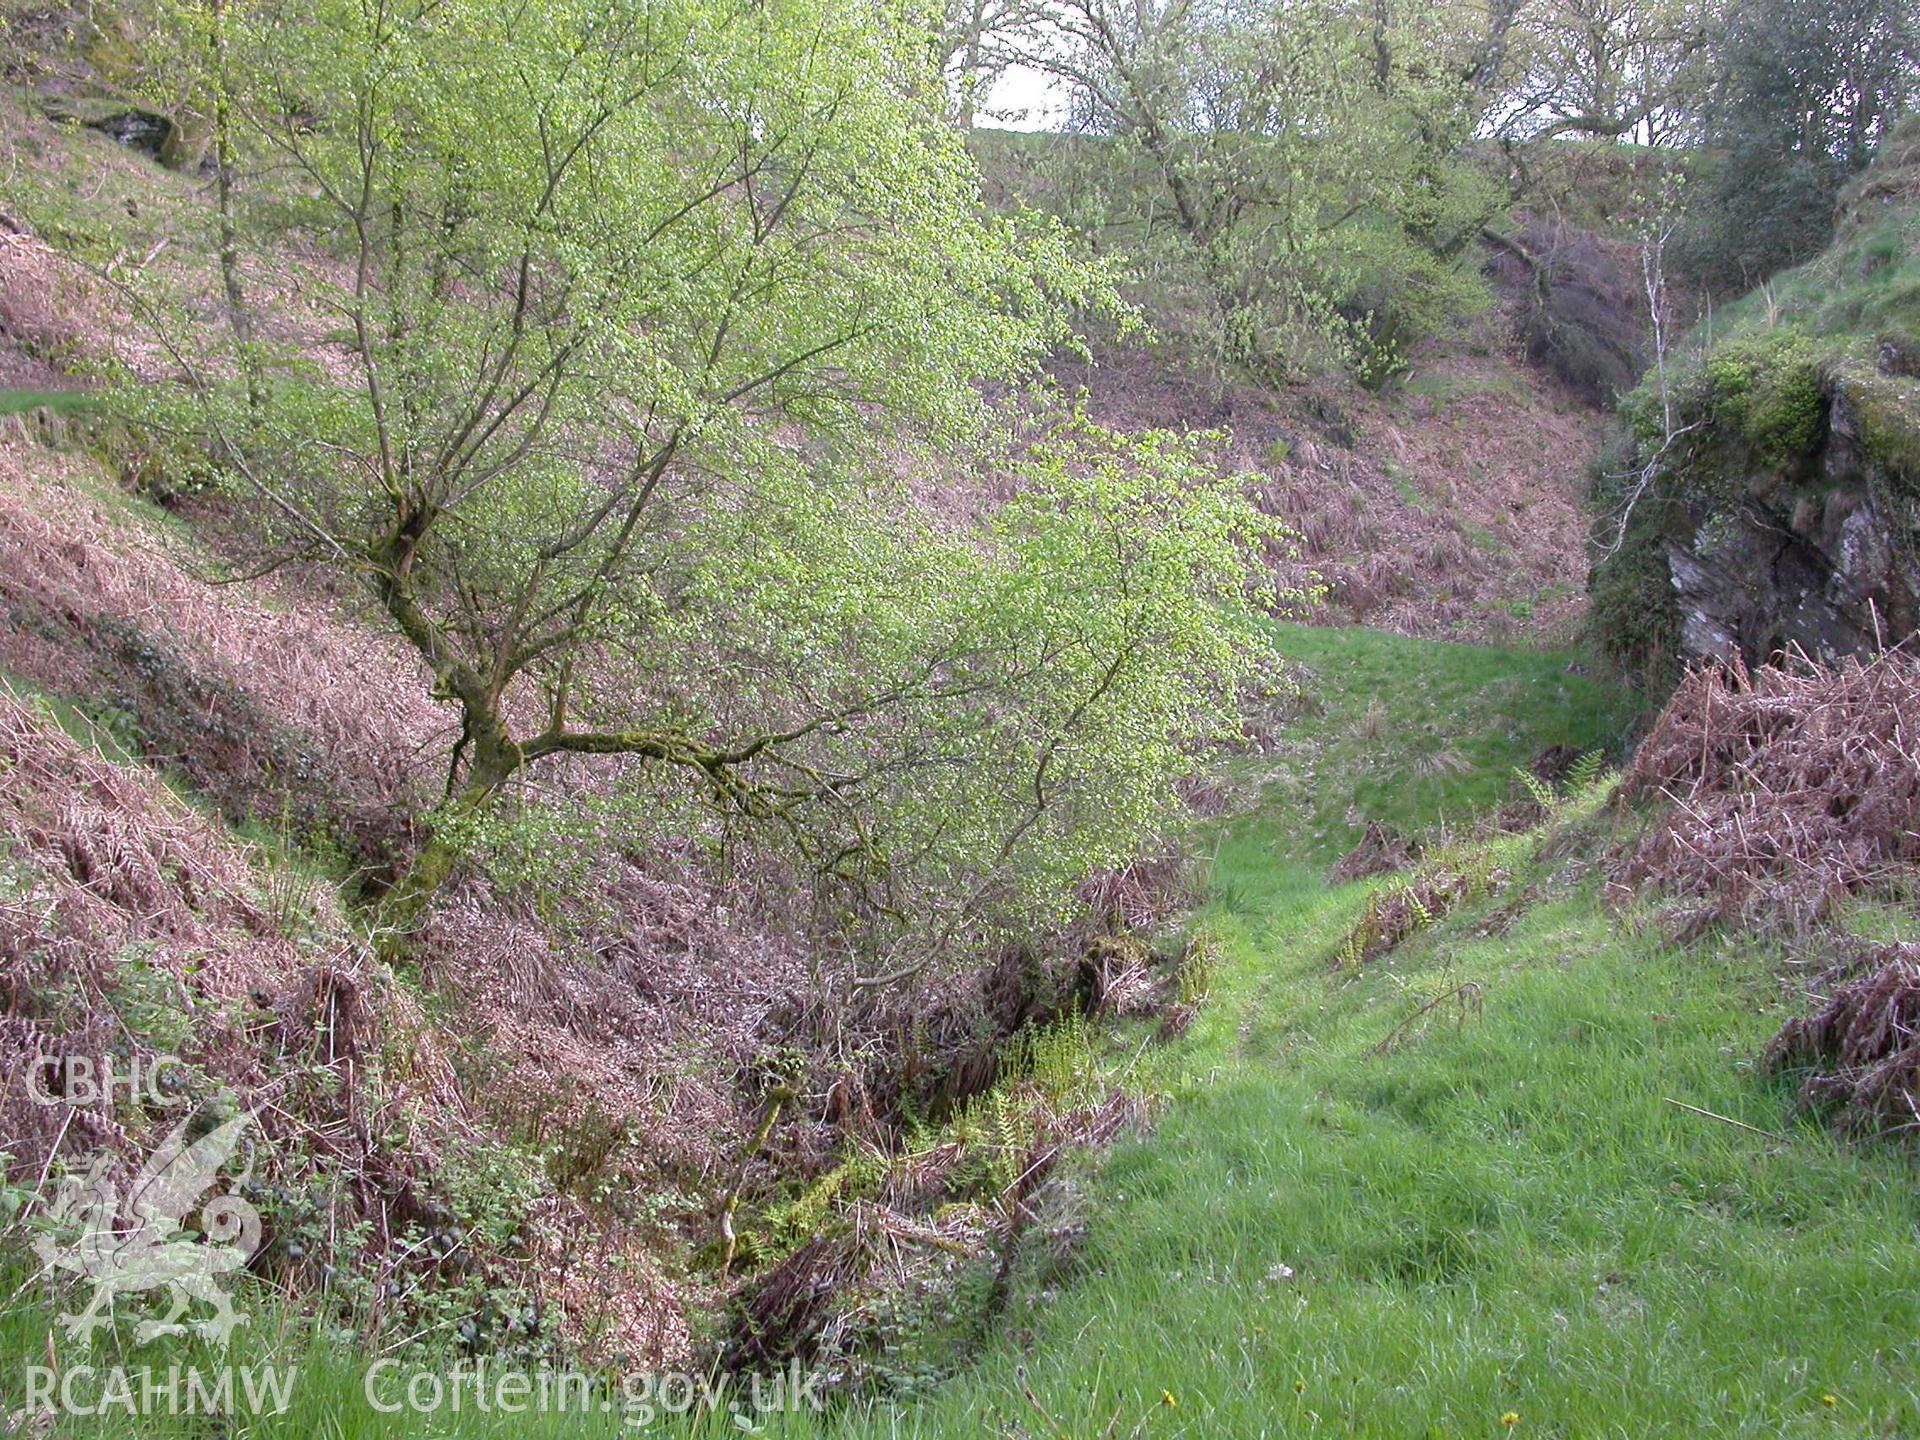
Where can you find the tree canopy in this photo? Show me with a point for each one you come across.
(652, 423)
(1300, 166)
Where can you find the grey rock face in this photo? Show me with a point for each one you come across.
(1812, 562)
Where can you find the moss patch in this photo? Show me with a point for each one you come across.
(1767, 388)
(1631, 608)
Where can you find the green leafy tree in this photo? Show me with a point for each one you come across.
(1614, 69)
(1304, 158)
(1801, 92)
(651, 321)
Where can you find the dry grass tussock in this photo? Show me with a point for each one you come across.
(107, 878)
(1789, 788)
(39, 313)
(1382, 851)
(639, 1027)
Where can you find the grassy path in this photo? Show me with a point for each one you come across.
(1497, 1228)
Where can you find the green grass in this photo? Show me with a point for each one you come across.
(109, 733)
(1868, 282)
(1415, 733)
(1408, 491)
(61, 402)
(1442, 391)
(1502, 1216)
(1506, 1219)
(1484, 539)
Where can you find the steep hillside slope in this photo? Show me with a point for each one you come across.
(1414, 1169)
(1445, 508)
(614, 1083)
(183, 875)
(1444, 501)
(259, 695)
(644, 1059)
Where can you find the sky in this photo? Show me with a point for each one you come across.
(1033, 96)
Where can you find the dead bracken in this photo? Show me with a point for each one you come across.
(1382, 850)
(1859, 1053)
(1397, 912)
(1790, 787)
(119, 904)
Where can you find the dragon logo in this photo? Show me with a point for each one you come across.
(138, 1245)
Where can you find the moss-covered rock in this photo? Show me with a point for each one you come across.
(1767, 388)
(1769, 498)
(132, 124)
(1631, 605)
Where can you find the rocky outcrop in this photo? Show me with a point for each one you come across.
(1774, 504)
(134, 125)
(1820, 559)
